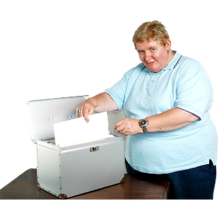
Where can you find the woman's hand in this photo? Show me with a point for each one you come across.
(84, 110)
(99, 103)
(128, 126)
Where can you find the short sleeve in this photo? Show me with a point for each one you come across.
(194, 92)
(117, 91)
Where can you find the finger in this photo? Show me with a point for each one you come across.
(118, 123)
(86, 115)
(122, 132)
(90, 112)
(127, 133)
(79, 111)
(87, 112)
(120, 128)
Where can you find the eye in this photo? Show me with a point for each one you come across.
(141, 51)
(152, 49)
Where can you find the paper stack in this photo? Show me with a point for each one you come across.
(77, 131)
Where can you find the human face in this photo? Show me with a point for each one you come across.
(153, 55)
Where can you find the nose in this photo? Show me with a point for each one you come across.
(147, 56)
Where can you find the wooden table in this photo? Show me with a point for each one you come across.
(133, 187)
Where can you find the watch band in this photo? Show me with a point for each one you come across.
(144, 129)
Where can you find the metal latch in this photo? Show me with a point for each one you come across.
(92, 149)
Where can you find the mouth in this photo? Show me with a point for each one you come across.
(149, 63)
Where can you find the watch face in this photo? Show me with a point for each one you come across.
(142, 122)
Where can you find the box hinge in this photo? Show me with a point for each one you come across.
(86, 97)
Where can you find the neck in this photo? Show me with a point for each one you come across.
(171, 55)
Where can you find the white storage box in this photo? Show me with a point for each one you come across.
(72, 170)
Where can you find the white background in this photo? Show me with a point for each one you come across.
(64, 48)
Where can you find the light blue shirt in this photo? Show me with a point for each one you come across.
(183, 83)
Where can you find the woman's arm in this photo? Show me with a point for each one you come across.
(99, 103)
(172, 119)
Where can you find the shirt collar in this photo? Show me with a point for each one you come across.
(174, 61)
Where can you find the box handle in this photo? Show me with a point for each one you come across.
(92, 149)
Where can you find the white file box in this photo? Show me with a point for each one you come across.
(72, 170)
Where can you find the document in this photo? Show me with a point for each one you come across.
(77, 131)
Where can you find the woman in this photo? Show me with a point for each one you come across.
(166, 99)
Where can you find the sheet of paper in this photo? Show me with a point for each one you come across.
(78, 131)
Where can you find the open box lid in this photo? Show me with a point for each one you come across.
(45, 112)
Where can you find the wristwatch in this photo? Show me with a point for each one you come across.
(143, 124)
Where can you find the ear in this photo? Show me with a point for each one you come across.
(168, 44)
